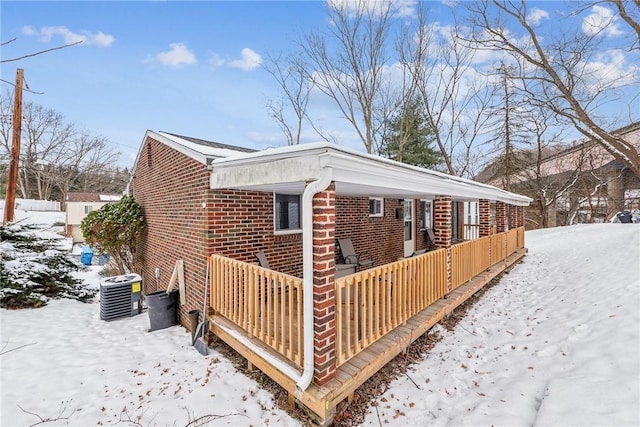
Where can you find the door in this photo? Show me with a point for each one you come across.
(408, 228)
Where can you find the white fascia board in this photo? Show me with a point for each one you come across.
(304, 162)
(412, 180)
(181, 146)
(276, 171)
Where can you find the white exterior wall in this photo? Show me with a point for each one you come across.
(75, 215)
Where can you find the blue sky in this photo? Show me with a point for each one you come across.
(172, 66)
(191, 68)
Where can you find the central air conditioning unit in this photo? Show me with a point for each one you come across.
(120, 296)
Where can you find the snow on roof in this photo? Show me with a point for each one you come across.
(109, 198)
(199, 149)
(92, 197)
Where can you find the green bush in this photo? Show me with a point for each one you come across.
(33, 270)
(116, 229)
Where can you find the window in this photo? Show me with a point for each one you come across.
(376, 206)
(426, 216)
(287, 212)
(455, 227)
(472, 211)
(87, 209)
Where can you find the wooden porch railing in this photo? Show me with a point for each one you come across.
(498, 247)
(265, 303)
(512, 241)
(468, 259)
(520, 231)
(373, 302)
(268, 304)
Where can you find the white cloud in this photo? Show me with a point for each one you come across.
(217, 61)
(537, 15)
(603, 20)
(610, 69)
(248, 61)
(179, 54)
(46, 34)
(400, 8)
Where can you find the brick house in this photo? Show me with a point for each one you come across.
(209, 201)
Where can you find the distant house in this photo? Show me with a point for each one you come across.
(314, 317)
(78, 205)
(581, 183)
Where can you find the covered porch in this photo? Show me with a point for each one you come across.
(320, 336)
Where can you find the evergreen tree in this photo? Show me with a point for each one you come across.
(409, 136)
(33, 270)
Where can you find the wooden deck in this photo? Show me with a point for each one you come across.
(360, 367)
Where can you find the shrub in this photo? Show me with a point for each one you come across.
(116, 229)
(33, 270)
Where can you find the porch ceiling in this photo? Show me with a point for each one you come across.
(285, 170)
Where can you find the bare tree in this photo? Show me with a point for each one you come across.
(559, 67)
(54, 153)
(291, 75)
(514, 124)
(347, 62)
(455, 95)
(539, 172)
(88, 155)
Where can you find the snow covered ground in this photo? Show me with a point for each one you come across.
(556, 342)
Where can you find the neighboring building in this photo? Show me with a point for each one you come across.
(582, 183)
(78, 205)
(216, 206)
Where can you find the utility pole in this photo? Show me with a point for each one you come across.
(14, 158)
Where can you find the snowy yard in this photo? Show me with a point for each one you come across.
(556, 342)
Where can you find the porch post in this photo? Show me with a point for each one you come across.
(501, 217)
(484, 208)
(324, 299)
(442, 228)
(513, 216)
(520, 216)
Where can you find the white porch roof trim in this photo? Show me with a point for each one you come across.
(286, 169)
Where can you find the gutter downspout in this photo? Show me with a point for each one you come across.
(307, 274)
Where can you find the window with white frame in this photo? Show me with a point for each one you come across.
(287, 212)
(87, 209)
(376, 206)
(426, 214)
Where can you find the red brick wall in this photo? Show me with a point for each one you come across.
(380, 237)
(484, 208)
(512, 217)
(324, 303)
(171, 188)
(442, 207)
(501, 217)
(241, 224)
